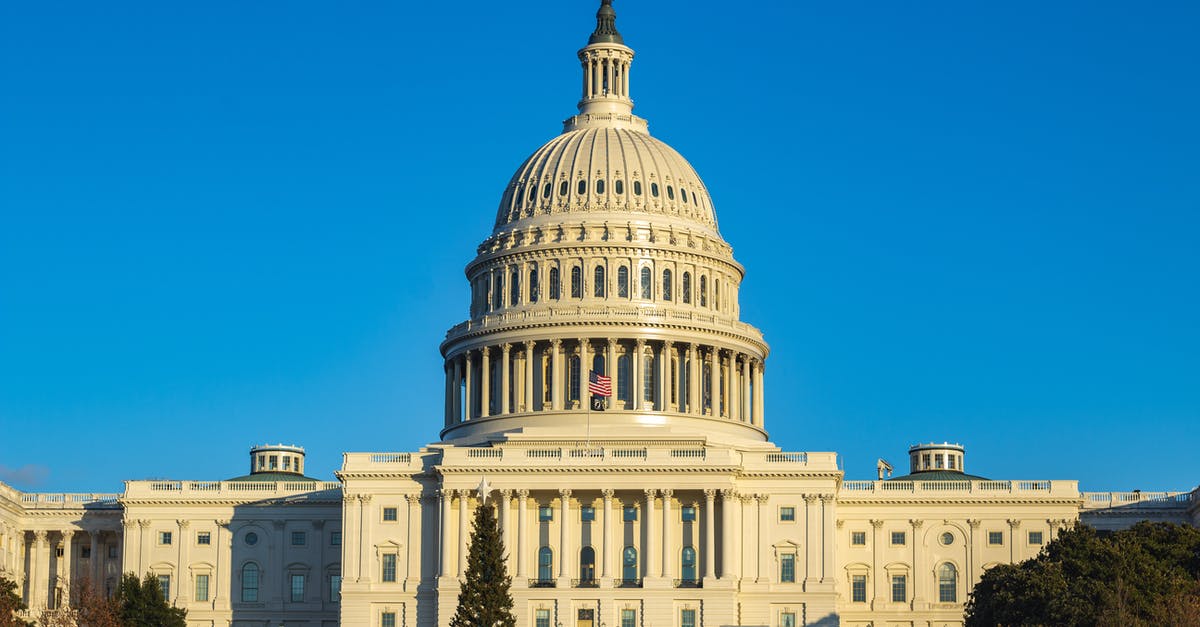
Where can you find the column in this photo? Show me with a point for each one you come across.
(143, 546)
(413, 569)
(763, 546)
(468, 394)
(918, 566)
(812, 536)
(36, 585)
(694, 380)
(668, 551)
(522, 541)
(729, 504)
(97, 559)
(444, 496)
(648, 526)
(879, 595)
(747, 415)
(502, 506)
(528, 404)
(714, 383)
(610, 369)
(735, 388)
(973, 553)
(606, 530)
(556, 389)
(349, 538)
(564, 527)
(64, 570)
(827, 538)
(664, 386)
(181, 570)
(584, 367)
(485, 382)
(505, 393)
(449, 410)
(1014, 528)
(635, 380)
(457, 391)
(366, 548)
(710, 553)
(463, 538)
(225, 551)
(759, 393)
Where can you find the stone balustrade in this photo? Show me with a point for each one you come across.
(877, 489)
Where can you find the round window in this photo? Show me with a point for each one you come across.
(251, 538)
(947, 538)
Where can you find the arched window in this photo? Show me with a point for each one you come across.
(648, 380)
(563, 188)
(250, 583)
(619, 186)
(703, 291)
(600, 186)
(687, 561)
(573, 378)
(716, 294)
(687, 288)
(545, 564)
(546, 191)
(637, 188)
(623, 282)
(629, 564)
(533, 285)
(948, 583)
(647, 287)
(705, 385)
(654, 189)
(666, 288)
(587, 564)
(598, 282)
(555, 288)
(514, 288)
(497, 290)
(623, 378)
(581, 189)
(576, 282)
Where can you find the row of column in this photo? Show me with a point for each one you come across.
(360, 556)
(743, 515)
(691, 378)
(47, 572)
(604, 76)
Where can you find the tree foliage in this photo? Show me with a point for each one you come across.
(485, 600)
(141, 604)
(1146, 575)
(10, 605)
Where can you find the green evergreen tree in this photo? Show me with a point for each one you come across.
(142, 604)
(485, 600)
(10, 604)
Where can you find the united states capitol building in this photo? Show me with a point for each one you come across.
(666, 506)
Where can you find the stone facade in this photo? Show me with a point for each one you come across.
(663, 504)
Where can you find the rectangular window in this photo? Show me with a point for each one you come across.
(858, 538)
(164, 537)
(335, 538)
(898, 538)
(687, 618)
(58, 552)
(112, 551)
(298, 538)
(542, 618)
(950, 461)
(389, 514)
(545, 513)
(204, 537)
(787, 514)
(387, 619)
(899, 588)
(201, 587)
(787, 619)
(688, 513)
(628, 618)
(389, 567)
(995, 538)
(297, 588)
(164, 582)
(85, 552)
(1035, 537)
(858, 588)
(587, 513)
(629, 513)
(939, 461)
(925, 461)
(287, 462)
(335, 588)
(787, 568)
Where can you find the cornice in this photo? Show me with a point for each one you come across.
(956, 500)
(607, 249)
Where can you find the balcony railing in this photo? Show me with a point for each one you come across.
(689, 583)
(541, 583)
(627, 583)
(585, 583)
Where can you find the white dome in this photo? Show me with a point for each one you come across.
(601, 169)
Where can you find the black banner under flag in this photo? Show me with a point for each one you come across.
(598, 403)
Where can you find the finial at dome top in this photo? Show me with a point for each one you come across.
(606, 26)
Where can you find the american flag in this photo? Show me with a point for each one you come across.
(598, 384)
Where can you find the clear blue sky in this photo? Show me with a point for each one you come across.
(225, 223)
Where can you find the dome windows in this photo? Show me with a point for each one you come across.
(637, 188)
(619, 186)
(563, 188)
(623, 282)
(670, 193)
(581, 187)
(598, 283)
(654, 189)
(514, 287)
(666, 286)
(647, 284)
(546, 191)
(533, 285)
(600, 186)
(555, 284)
(576, 282)
(683, 195)
(687, 288)
(703, 291)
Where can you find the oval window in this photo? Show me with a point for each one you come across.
(520, 199)
(947, 538)
(683, 194)
(619, 186)
(251, 538)
(563, 188)
(670, 192)
(600, 186)
(546, 191)
(581, 189)
(637, 188)
(654, 189)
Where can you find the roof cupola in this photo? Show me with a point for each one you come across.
(605, 61)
